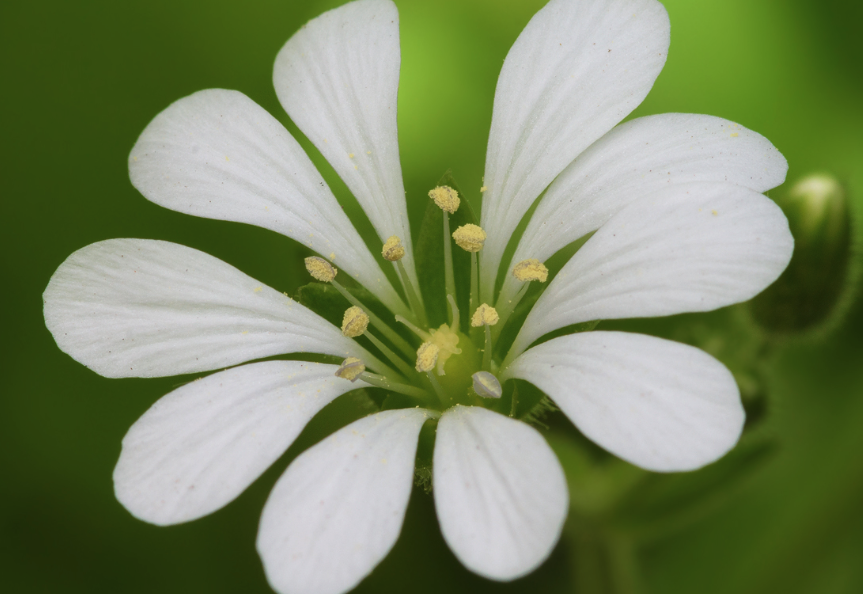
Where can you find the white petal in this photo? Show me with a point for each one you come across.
(338, 509)
(693, 247)
(636, 159)
(338, 79)
(143, 308)
(659, 404)
(200, 446)
(577, 69)
(499, 491)
(218, 154)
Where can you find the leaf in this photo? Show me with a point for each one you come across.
(430, 261)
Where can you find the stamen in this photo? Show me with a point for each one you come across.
(393, 249)
(441, 395)
(446, 198)
(448, 201)
(382, 382)
(355, 322)
(418, 331)
(470, 237)
(350, 369)
(486, 385)
(397, 340)
(427, 357)
(320, 269)
(486, 316)
(530, 270)
(474, 282)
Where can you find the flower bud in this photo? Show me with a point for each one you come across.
(815, 280)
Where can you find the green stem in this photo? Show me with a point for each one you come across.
(505, 309)
(406, 369)
(454, 313)
(416, 305)
(441, 396)
(486, 355)
(447, 252)
(382, 382)
(474, 284)
(378, 323)
(514, 407)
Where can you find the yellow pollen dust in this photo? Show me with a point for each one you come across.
(485, 315)
(427, 356)
(355, 322)
(320, 269)
(530, 270)
(350, 369)
(446, 198)
(469, 237)
(393, 249)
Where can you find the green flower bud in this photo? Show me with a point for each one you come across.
(809, 290)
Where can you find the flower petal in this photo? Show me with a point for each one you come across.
(143, 308)
(659, 404)
(200, 446)
(636, 159)
(338, 509)
(218, 154)
(338, 79)
(693, 247)
(577, 69)
(499, 491)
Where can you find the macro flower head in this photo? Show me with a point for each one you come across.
(675, 220)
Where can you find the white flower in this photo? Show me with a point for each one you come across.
(680, 227)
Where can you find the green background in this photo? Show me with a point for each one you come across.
(80, 81)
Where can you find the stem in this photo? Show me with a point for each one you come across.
(486, 355)
(416, 306)
(474, 283)
(447, 253)
(425, 336)
(406, 369)
(514, 407)
(397, 340)
(382, 382)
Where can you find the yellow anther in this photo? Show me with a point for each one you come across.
(320, 269)
(485, 315)
(469, 237)
(350, 369)
(530, 270)
(446, 198)
(393, 249)
(486, 385)
(355, 322)
(427, 356)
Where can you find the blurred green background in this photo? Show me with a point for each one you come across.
(82, 79)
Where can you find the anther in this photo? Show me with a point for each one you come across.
(427, 357)
(485, 315)
(530, 270)
(320, 269)
(446, 198)
(393, 249)
(355, 322)
(486, 385)
(469, 237)
(350, 369)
